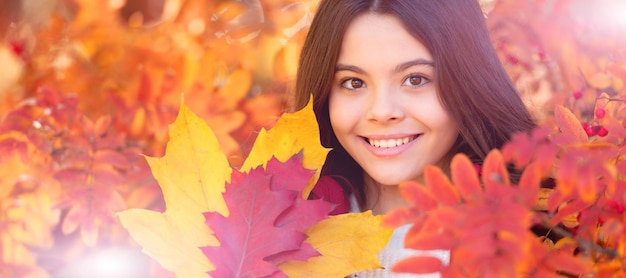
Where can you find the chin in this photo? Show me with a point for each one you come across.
(390, 180)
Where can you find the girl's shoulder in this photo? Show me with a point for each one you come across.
(331, 191)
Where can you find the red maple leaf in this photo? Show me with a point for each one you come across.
(266, 222)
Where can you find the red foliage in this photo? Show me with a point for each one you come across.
(266, 222)
(96, 85)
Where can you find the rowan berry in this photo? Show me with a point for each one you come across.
(591, 131)
(602, 131)
(578, 94)
(600, 113)
(17, 47)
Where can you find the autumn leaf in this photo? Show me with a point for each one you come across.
(291, 134)
(348, 243)
(424, 265)
(569, 125)
(579, 172)
(192, 175)
(470, 218)
(257, 236)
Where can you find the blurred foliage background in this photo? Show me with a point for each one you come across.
(88, 87)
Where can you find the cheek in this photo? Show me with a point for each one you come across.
(448, 131)
(442, 125)
(341, 113)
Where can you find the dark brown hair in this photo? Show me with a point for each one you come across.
(471, 82)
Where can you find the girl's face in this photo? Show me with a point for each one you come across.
(383, 104)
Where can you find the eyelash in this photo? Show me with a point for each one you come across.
(423, 80)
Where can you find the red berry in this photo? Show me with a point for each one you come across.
(578, 94)
(600, 113)
(602, 131)
(591, 131)
(17, 47)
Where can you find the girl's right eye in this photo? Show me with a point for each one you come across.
(353, 83)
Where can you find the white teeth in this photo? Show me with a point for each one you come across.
(389, 143)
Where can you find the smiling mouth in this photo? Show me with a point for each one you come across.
(390, 143)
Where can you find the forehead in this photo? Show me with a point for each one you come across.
(381, 36)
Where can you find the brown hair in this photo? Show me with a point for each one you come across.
(470, 80)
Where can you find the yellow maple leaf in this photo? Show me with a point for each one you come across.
(348, 244)
(291, 134)
(193, 174)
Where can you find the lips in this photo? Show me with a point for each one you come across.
(390, 143)
(385, 146)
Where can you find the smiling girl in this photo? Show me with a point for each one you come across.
(398, 85)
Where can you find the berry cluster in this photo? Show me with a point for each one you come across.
(595, 130)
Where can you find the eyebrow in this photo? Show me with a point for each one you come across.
(399, 68)
(416, 62)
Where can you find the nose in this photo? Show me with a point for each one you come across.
(384, 107)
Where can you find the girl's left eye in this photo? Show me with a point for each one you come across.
(415, 80)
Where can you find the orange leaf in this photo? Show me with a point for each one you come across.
(600, 80)
(430, 241)
(465, 177)
(111, 157)
(546, 155)
(417, 195)
(440, 186)
(398, 217)
(531, 178)
(555, 199)
(519, 149)
(102, 125)
(569, 125)
(418, 265)
(89, 232)
(494, 171)
(529, 183)
(74, 218)
(236, 87)
(566, 262)
(614, 127)
(571, 208)
(611, 230)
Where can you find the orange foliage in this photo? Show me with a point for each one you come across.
(87, 87)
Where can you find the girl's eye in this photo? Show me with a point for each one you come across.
(353, 84)
(415, 80)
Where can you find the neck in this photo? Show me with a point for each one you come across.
(382, 199)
